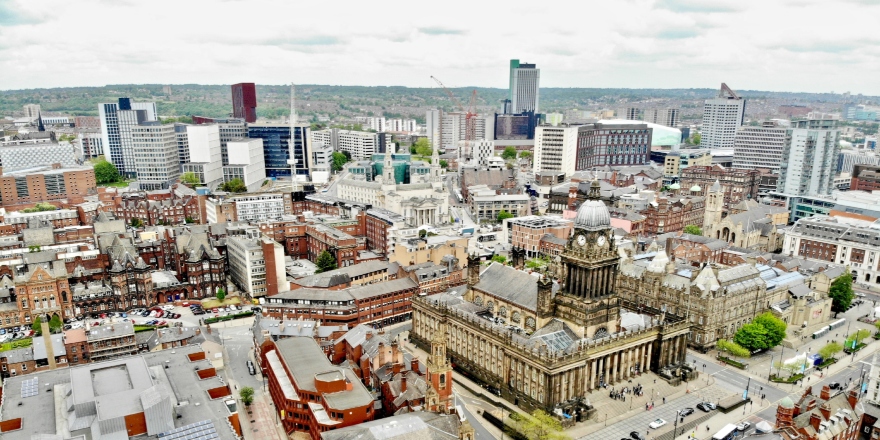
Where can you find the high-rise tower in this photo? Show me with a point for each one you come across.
(722, 116)
(524, 83)
(244, 101)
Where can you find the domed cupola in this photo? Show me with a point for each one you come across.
(593, 215)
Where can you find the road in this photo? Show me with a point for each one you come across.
(331, 189)
(641, 420)
(480, 431)
(239, 342)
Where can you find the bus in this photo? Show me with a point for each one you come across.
(726, 433)
(458, 196)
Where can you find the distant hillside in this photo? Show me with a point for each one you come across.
(347, 101)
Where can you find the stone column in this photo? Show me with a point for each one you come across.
(592, 366)
(605, 361)
(648, 358)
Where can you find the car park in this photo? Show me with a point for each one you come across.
(167, 307)
(657, 423)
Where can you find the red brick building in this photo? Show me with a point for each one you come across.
(377, 226)
(310, 394)
(696, 250)
(434, 278)
(341, 245)
(736, 184)
(152, 208)
(865, 178)
(672, 214)
(23, 189)
(833, 416)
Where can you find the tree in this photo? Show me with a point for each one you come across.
(422, 147)
(221, 294)
(536, 263)
(247, 396)
(830, 349)
(876, 324)
(542, 426)
(697, 139)
(841, 294)
(525, 155)
(856, 337)
(106, 172)
(325, 262)
(55, 324)
(509, 153)
(503, 215)
(752, 337)
(37, 326)
(775, 327)
(693, 230)
(136, 222)
(444, 163)
(234, 186)
(338, 160)
(499, 259)
(732, 348)
(190, 178)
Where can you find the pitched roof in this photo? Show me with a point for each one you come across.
(509, 284)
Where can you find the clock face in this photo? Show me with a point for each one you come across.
(582, 240)
(601, 240)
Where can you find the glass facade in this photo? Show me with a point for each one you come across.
(283, 159)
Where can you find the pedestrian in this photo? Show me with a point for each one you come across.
(707, 428)
(664, 401)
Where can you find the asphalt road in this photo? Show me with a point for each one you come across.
(640, 421)
(480, 431)
(238, 342)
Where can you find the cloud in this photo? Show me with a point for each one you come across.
(441, 31)
(697, 6)
(13, 15)
(676, 34)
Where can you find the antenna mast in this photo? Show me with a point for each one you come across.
(292, 104)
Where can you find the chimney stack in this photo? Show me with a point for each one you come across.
(825, 410)
(402, 383)
(815, 420)
(825, 394)
(414, 365)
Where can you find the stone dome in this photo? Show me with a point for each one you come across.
(674, 186)
(593, 215)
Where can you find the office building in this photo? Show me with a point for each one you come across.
(400, 126)
(256, 262)
(865, 178)
(515, 126)
(372, 123)
(629, 113)
(678, 160)
(203, 157)
(669, 117)
(809, 157)
(22, 156)
(32, 111)
(838, 240)
(87, 122)
(445, 133)
(759, 147)
(848, 159)
(861, 112)
(722, 117)
(156, 157)
(285, 156)
(322, 163)
(244, 101)
(116, 122)
(525, 82)
(44, 184)
(555, 149)
(475, 153)
(613, 143)
(246, 163)
(360, 145)
(230, 129)
(91, 144)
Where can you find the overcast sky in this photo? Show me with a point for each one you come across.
(779, 45)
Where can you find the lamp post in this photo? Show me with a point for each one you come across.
(770, 369)
(675, 428)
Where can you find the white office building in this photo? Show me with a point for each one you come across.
(669, 117)
(246, 162)
(117, 119)
(361, 145)
(258, 207)
(154, 150)
(759, 147)
(453, 128)
(401, 125)
(322, 163)
(555, 148)
(204, 157)
(475, 152)
(722, 117)
(525, 80)
(371, 123)
(248, 260)
(809, 158)
(28, 155)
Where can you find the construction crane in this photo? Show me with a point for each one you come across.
(470, 113)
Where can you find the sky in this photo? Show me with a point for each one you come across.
(773, 45)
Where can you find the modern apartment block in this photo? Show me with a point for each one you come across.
(116, 122)
(246, 163)
(613, 143)
(244, 101)
(371, 123)
(475, 153)
(156, 156)
(24, 156)
(401, 126)
(91, 144)
(256, 262)
(759, 147)
(525, 82)
(669, 117)
(809, 157)
(678, 160)
(45, 184)
(230, 129)
(361, 145)
(285, 155)
(555, 148)
(630, 114)
(32, 111)
(722, 117)
(452, 128)
(203, 157)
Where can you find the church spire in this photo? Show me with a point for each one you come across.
(594, 190)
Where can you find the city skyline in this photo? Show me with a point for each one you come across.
(638, 44)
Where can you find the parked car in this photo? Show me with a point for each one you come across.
(686, 412)
(168, 307)
(256, 309)
(251, 368)
(657, 423)
(215, 310)
(636, 435)
(161, 323)
(706, 406)
(2, 331)
(834, 385)
(198, 312)
(742, 426)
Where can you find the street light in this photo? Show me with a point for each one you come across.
(770, 368)
(675, 429)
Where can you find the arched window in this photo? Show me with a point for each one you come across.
(52, 300)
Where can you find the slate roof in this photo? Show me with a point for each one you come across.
(412, 426)
(509, 284)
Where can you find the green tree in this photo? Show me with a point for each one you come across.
(693, 230)
(190, 178)
(36, 248)
(422, 147)
(499, 259)
(37, 326)
(55, 324)
(136, 222)
(66, 137)
(732, 348)
(338, 160)
(536, 263)
(221, 294)
(830, 349)
(234, 186)
(542, 426)
(525, 155)
(697, 139)
(247, 396)
(841, 293)
(508, 153)
(775, 327)
(503, 215)
(106, 172)
(325, 262)
(752, 337)
(444, 163)
(857, 336)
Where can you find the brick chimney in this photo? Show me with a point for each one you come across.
(826, 393)
(396, 367)
(414, 365)
(402, 383)
(853, 397)
(815, 420)
(825, 410)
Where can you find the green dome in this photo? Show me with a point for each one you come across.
(786, 403)
(696, 188)
(675, 186)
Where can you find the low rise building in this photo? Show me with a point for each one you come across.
(368, 272)
(865, 178)
(433, 249)
(29, 186)
(434, 278)
(737, 185)
(256, 263)
(111, 341)
(528, 232)
(840, 240)
(486, 205)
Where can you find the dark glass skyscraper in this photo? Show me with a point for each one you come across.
(244, 101)
(283, 157)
